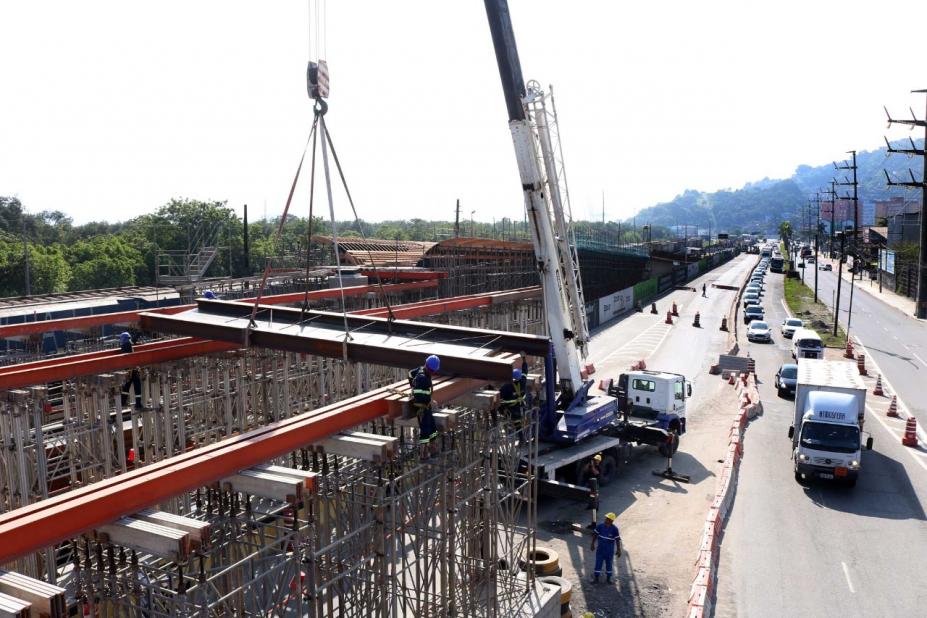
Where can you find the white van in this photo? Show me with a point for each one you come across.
(806, 344)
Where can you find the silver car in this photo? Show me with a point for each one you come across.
(758, 331)
(790, 325)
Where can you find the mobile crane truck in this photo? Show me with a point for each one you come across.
(574, 423)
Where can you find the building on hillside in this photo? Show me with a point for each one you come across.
(885, 209)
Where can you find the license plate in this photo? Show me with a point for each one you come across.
(825, 475)
(840, 471)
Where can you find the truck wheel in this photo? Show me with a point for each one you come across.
(851, 483)
(609, 470)
(799, 478)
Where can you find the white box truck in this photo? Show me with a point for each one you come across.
(830, 407)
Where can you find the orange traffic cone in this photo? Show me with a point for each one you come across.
(910, 432)
(724, 324)
(669, 318)
(730, 378)
(643, 364)
(653, 307)
(675, 311)
(878, 387)
(696, 322)
(849, 350)
(893, 407)
(861, 364)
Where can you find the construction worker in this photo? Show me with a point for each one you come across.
(591, 472)
(420, 382)
(703, 291)
(609, 540)
(135, 378)
(512, 394)
(209, 294)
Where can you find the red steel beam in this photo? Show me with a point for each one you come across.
(406, 275)
(455, 303)
(31, 528)
(88, 321)
(27, 374)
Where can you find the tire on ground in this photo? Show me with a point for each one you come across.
(546, 561)
(566, 587)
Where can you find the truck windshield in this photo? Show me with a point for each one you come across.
(811, 344)
(827, 437)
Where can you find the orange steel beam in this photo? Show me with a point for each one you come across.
(88, 321)
(407, 275)
(27, 374)
(31, 528)
(456, 303)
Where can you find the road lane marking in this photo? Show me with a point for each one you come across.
(786, 307)
(846, 573)
(918, 357)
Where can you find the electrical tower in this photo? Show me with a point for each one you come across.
(920, 309)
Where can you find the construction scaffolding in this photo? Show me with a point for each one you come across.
(391, 537)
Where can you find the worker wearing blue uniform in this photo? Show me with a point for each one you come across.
(609, 540)
(135, 379)
(420, 382)
(512, 394)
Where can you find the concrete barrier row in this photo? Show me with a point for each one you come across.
(702, 592)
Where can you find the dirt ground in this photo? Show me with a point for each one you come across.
(661, 521)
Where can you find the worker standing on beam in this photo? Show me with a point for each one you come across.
(135, 378)
(512, 395)
(420, 382)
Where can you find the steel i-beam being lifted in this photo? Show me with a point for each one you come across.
(466, 352)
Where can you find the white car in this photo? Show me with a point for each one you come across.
(758, 331)
(748, 296)
(790, 325)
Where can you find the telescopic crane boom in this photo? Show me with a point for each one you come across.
(549, 234)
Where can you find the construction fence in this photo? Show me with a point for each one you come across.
(602, 310)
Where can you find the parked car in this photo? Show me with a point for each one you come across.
(790, 325)
(753, 312)
(786, 378)
(758, 331)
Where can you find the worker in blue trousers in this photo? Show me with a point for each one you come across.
(421, 385)
(512, 395)
(609, 540)
(135, 379)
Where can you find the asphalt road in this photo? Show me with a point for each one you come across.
(819, 549)
(896, 341)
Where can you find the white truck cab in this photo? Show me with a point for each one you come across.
(656, 395)
(827, 431)
(806, 344)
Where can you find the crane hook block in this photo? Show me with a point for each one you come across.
(317, 79)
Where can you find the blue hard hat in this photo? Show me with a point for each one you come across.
(209, 294)
(124, 336)
(433, 363)
(516, 374)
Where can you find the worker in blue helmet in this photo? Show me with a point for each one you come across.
(209, 294)
(421, 385)
(512, 394)
(135, 378)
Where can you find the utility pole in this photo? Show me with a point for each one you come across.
(817, 231)
(26, 259)
(920, 307)
(839, 279)
(833, 209)
(854, 245)
(246, 241)
(457, 220)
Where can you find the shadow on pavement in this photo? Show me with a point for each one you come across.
(906, 359)
(884, 491)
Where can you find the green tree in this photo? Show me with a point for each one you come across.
(103, 262)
